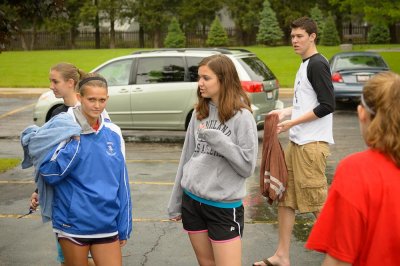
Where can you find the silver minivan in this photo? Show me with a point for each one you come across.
(156, 89)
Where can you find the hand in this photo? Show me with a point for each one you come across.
(34, 203)
(176, 219)
(282, 113)
(122, 243)
(284, 126)
(76, 138)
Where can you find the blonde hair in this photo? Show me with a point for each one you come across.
(382, 94)
(232, 96)
(68, 71)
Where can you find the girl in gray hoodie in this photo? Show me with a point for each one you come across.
(219, 153)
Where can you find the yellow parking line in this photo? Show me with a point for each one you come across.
(130, 182)
(151, 161)
(17, 110)
(151, 183)
(15, 182)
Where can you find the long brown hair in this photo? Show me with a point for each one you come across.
(232, 97)
(382, 95)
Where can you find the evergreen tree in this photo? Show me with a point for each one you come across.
(175, 37)
(318, 17)
(269, 31)
(330, 36)
(217, 35)
(379, 33)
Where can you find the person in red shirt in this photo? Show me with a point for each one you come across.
(360, 221)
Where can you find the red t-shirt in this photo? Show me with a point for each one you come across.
(360, 221)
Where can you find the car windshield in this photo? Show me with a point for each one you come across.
(256, 69)
(359, 61)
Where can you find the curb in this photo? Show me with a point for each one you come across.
(22, 92)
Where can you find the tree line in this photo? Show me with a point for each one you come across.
(256, 21)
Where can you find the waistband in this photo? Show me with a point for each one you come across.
(218, 204)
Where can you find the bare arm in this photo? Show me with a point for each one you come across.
(331, 261)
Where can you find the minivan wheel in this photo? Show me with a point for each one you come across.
(188, 117)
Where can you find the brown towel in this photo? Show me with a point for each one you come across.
(273, 171)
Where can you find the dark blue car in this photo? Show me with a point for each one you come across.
(350, 70)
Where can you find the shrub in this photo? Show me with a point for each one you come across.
(269, 31)
(175, 37)
(318, 17)
(217, 35)
(379, 33)
(330, 36)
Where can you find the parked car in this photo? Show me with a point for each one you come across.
(157, 89)
(350, 70)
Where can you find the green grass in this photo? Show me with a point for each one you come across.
(8, 163)
(30, 69)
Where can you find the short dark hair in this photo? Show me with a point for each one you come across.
(306, 24)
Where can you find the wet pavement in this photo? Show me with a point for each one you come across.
(152, 168)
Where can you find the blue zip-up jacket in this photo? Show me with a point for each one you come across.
(90, 180)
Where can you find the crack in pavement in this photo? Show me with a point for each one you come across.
(145, 255)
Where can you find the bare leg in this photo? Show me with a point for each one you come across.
(228, 253)
(91, 262)
(108, 254)
(202, 248)
(286, 219)
(74, 254)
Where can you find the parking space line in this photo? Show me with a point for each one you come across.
(17, 110)
(152, 161)
(5, 182)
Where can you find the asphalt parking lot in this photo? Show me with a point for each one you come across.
(151, 167)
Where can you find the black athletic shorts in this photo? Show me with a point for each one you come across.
(222, 224)
(89, 241)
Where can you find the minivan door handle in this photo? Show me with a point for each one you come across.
(123, 90)
(137, 90)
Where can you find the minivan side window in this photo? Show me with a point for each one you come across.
(160, 70)
(117, 73)
(193, 66)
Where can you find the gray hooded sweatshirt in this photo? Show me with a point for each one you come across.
(216, 160)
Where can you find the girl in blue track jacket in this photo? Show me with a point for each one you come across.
(92, 204)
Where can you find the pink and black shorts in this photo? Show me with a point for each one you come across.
(222, 224)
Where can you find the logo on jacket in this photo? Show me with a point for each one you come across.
(110, 149)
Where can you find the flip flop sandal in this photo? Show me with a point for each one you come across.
(267, 263)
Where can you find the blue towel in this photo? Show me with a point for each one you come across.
(37, 142)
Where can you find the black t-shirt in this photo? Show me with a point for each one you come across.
(60, 109)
